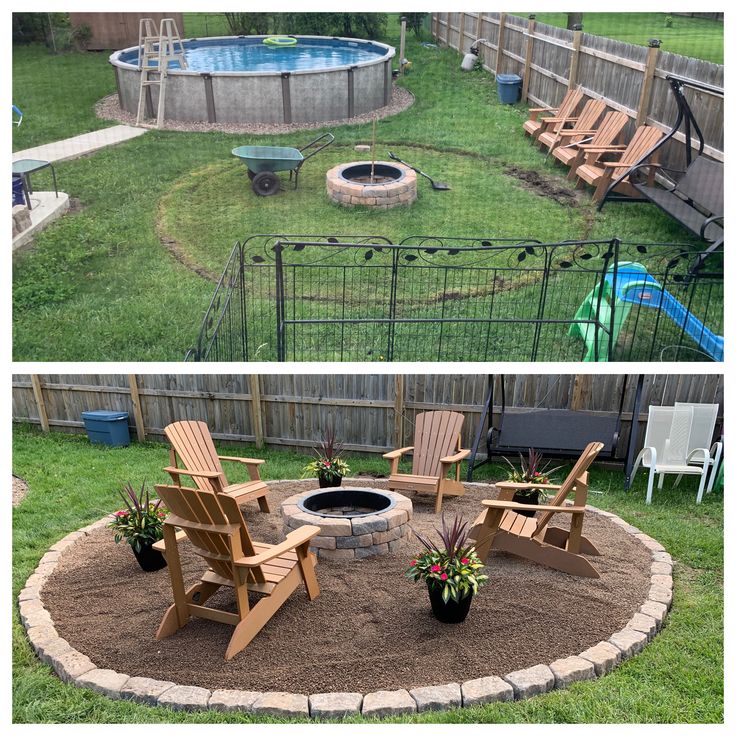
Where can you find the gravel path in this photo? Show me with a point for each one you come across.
(108, 108)
(20, 489)
(370, 628)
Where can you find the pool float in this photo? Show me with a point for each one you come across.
(280, 41)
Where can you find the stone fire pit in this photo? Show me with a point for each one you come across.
(354, 522)
(392, 185)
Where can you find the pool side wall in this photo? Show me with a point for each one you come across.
(288, 97)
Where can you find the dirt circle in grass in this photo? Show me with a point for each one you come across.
(370, 629)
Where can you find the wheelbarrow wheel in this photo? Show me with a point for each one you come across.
(266, 183)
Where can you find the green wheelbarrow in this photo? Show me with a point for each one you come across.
(264, 161)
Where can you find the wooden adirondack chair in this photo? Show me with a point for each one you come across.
(600, 173)
(436, 448)
(499, 527)
(571, 149)
(577, 128)
(192, 443)
(214, 525)
(566, 109)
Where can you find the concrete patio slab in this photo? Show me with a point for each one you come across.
(47, 207)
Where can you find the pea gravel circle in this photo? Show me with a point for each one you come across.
(371, 629)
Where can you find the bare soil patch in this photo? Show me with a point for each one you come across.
(20, 489)
(544, 186)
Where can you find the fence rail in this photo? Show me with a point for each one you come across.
(363, 298)
(630, 78)
(370, 413)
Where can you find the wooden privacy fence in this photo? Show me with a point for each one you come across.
(370, 413)
(630, 78)
(117, 30)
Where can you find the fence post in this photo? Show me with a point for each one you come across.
(581, 392)
(402, 45)
(255, 408)
(528, 58)
(577, 37)
(398, 411)
(140, 427)
(499, 49)
(646, 87)
(437, 26)
(461, 37)
(40, 403)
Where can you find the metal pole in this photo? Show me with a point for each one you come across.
(633, 433)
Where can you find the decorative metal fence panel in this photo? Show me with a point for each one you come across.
(320, 298)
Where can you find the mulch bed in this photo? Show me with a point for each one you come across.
(370, 629)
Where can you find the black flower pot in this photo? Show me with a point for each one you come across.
(149, 559)
(528, 498)
(452, 612)
(329, 481)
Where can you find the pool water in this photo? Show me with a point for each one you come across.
(252, 55)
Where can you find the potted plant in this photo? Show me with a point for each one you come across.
(141, 524)
(329, 467)
(450, 570)
(531, 470)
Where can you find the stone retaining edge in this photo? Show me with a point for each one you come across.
(74, 667)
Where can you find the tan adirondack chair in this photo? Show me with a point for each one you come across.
(192, 443)
(214, 525)
(499, 527)
(600, 174)
(577, 127)
(571, 151)
(566, 109)
(436, 449)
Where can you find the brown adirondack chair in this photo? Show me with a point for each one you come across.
(571, 152)
(577, 128)
(500, 527)
(214, 525)
(599, 173)
(566, 109)
(436, 449)
(192, 443)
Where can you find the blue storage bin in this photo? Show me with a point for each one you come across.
(107, 427)
(509, 88)
(18, 193)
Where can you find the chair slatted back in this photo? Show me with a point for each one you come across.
(192, 442)
(577, 474)
(209, 521)
(610, 128)
(643, 140)
(436, 435)
(703, 426)
(588, 118)
(570, 103)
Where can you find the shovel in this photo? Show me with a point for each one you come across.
(440, 185)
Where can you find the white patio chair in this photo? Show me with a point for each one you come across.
(701, 436)
(666, 448)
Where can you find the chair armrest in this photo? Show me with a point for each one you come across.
(705, 459)
(397, 453)
(161, 547)
(543, 109)
(594, 148)
(618, 165)
(560, 120)
(456, 458)
(293, 540)
(576, 131)
(523, 486)
(513, 506)
(193, 473)
(244, 460)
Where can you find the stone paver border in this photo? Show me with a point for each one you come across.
(74, 667)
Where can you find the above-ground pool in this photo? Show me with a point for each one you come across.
(239, 79)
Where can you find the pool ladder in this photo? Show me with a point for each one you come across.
(156, 50)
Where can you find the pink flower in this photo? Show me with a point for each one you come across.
(443, 576)
(465, 561)
(413, 563)
(120, 514)
(436, 568)
(327, 463)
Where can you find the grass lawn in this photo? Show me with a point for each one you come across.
(100, 285)
(677, 679)
(696, 37)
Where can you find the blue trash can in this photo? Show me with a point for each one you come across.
(107, 427)
(18, 196)
(509, 88)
